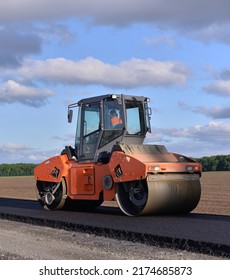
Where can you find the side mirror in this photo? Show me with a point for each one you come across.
(70, 115)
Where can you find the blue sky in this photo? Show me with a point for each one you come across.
(53, 53)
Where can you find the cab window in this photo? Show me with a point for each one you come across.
(134, 116)
(90, 129)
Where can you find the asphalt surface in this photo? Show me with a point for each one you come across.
(209, 234)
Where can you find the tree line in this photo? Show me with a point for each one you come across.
(215, 163)
(17, 169)
(211, 163)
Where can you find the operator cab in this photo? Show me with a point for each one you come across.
(106, 120)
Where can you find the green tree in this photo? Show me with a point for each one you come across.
(215, 163)
(18, 169)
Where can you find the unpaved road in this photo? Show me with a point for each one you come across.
(25, 241)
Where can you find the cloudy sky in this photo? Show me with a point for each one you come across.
(53, 53)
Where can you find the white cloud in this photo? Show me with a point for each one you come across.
(197, 149)
(13, 152)
(11, 92)
(217, 132)
(184, 13)
(214, 32)
(165, 40)
(91, 71)
(221, 82)
(12, 147)
(217, 112)
(219, 87)
(204, 21)
(196, 141)
(54, 31)
(15, 45)
(115, 11)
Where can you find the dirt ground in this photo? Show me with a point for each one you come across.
(215, 196)
(22, 187)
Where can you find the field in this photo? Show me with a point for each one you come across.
(215, 196)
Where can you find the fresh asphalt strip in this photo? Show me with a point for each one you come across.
(194, 232)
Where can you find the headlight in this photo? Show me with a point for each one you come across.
(154, 168)
(189, 168)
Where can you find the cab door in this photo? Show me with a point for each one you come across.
(88, 131)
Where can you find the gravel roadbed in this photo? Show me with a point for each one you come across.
(35, 242)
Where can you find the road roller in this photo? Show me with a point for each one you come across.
(110, 161)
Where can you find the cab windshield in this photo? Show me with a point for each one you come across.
(113, 122)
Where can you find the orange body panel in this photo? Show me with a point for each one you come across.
(132, 169)
(136, 167)
(85, 180)
(81, 180)
(52, 170)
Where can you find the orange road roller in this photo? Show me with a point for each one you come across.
(110, 162)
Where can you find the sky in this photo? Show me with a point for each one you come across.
(54, 53)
